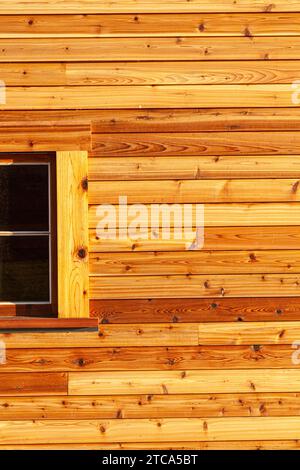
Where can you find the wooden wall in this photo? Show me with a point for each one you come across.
(179, 101)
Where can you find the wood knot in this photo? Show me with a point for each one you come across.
(247, 33)
(295, 187)
(81, 362)
(85, 183)
(269, 7)
(82, 253)
(252, 385)
(252, 257)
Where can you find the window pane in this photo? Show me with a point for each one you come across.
(24, 198)
(24, 269)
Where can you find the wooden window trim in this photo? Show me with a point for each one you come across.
(71, 263)
(72, 234)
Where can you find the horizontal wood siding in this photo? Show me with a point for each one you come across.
(177, 102)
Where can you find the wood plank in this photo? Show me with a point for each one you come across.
(150, 406)
(188, 120)
(44, 138)
(216, 238)
(208, 333)
(193, 168)
(142, 358)
(169, 429)
(181, 144)
(156, 334)
(213, 445)
(72, 223)
(141, 73)
(169, 96)
(159, 120)
(157, 73)
(33, 384)
(242, 333)
(170, 382)
(25, 323)
(151, 24)
(76, 118)
(144, 6)
(195, 310)
(194, 286)
(195, 191)
(221, 215)
(146, 49)
(29, 74)
(194, 262)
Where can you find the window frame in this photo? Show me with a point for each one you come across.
(31, 309)
(69, 221)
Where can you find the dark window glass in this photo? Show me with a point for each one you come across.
(24, 198)
(24, 269)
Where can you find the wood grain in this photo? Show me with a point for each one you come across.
(181, 144)
(144, 6)
(197, 191)
(95, 431)
(193, 168)
(146, 49)
(219, 215)
(189, 120)
(170, 382)
(151, 24)
(150, 406)
(208, 333)
(195, 286)
(33, 384)
(158, 120)
(194, 262)
(145, 73)
(216, 238)
(43, 138)
(242, 333)
(157, 73)
(72, 222)
(156, 358)
(186, 96)
(195, 310)
(156, 334)
(203, 445)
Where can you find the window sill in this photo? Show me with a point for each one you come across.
(29, 323)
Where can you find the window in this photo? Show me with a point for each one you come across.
(28, 268)
(44, 235)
